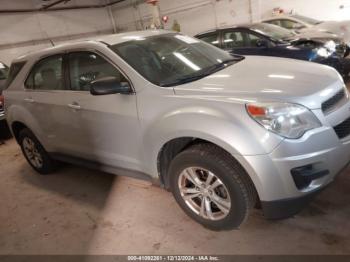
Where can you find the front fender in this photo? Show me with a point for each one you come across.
(237, 133)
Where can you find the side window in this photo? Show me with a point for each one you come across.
(233, 39)
(85, 67)
(47, 74)
(252, 40)
(211, 39)
(289, 24)
(274, 22)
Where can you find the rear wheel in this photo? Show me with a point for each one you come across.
(211, 187)
(35, 153)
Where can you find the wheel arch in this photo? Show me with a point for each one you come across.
(173, 147)
(17, 127)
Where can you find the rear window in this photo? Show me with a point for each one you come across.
(14, 70)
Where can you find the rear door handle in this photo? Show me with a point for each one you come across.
(29, 100)
(74, 106)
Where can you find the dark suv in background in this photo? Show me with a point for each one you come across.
(269, 40)
(3, 76)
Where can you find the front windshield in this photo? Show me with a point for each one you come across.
(273, 31)
(173, 59)
(307, 20)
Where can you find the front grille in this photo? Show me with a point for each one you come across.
(343, 129)
(331, 103)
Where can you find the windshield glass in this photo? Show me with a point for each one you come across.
(273, 31)
(307, 20)
(173, 59)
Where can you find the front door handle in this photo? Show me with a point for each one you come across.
(74, 106)
(29, 100)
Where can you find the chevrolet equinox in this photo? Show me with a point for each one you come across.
(223, 133)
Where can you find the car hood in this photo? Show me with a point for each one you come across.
(340, 28)
(319, 36)
(268, 79)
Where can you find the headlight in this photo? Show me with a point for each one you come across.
(284, 119)
(323, 52)
(331, 46)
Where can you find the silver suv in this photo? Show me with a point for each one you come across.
(223, 133)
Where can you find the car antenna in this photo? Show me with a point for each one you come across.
(47, 36)
(52, 43)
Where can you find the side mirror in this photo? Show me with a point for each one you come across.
(109, 85)
(262, 43)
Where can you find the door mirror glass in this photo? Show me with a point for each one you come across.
(109, 85)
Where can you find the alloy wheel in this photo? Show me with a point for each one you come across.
(204, 193)
(32, 152)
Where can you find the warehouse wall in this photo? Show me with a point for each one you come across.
(24, 32)
(320, 9)
(193, 15)
(21, 33)
(198, 15)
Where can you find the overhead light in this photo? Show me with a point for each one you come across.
(186, 61)
(281, 76)
(133, 37)
(271, 91)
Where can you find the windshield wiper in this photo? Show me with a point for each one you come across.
(203, 73)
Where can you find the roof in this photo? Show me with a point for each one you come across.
(111, 39)
(278, 17)
(227, 27)
(124, 37)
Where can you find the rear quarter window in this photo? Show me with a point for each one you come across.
(212, 38)
(14, 70)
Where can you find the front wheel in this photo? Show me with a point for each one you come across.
(211, 187)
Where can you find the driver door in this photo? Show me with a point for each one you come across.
(105, 128)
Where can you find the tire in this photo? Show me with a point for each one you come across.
(35, 153)
(227, 183)
(4, 130)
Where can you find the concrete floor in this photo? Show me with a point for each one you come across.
(79, 211)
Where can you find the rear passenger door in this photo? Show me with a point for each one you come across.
(45, 100)
(104, 129)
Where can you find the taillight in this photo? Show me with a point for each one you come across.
(2, 101)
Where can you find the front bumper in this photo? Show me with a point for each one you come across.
(321, 149)
(285, 208)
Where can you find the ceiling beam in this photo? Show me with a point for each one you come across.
(9, 11)
(45, 7)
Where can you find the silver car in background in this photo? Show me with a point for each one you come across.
(312, 27)
(222, 132)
